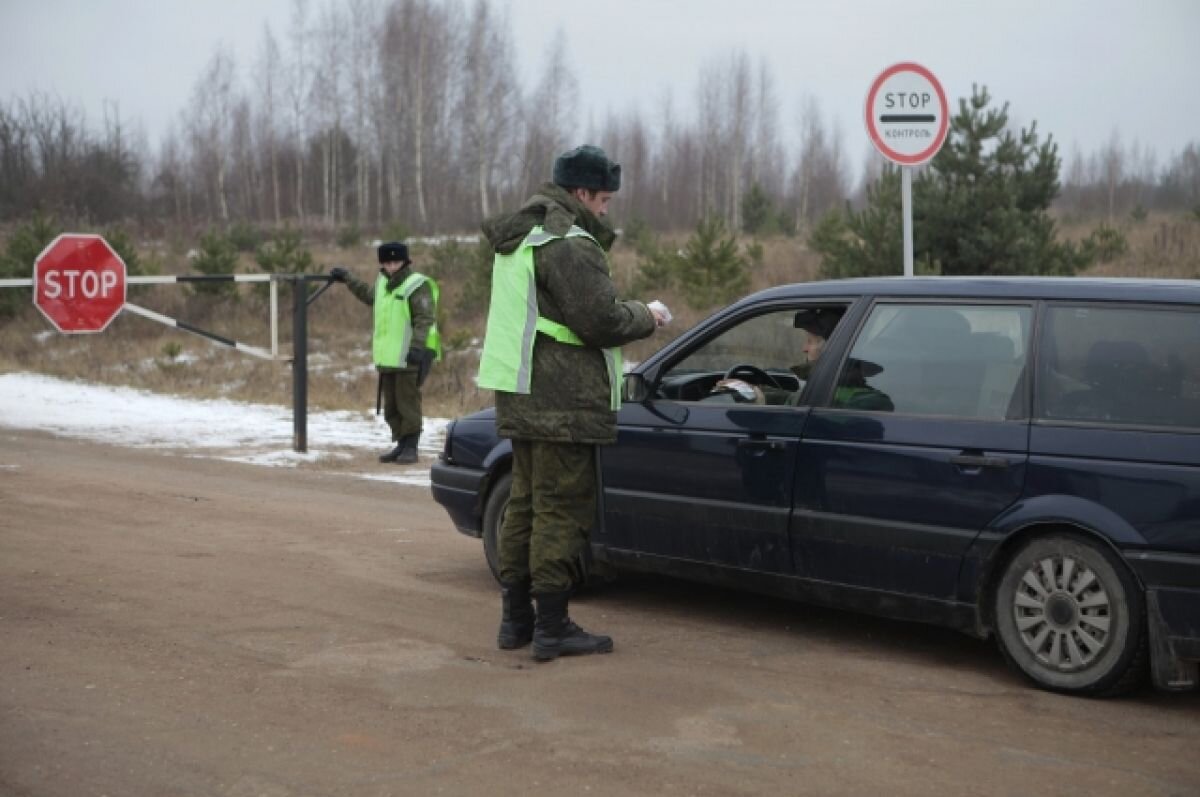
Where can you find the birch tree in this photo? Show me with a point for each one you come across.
(299, 81)
(364, 71)
(550, 116)
(213, 101)
(269, 78)
(489, 100)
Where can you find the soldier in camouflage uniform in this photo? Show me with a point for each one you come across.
(400, 380)
(564, 407)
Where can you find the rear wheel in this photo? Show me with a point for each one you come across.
(1070, 617)
(493, 519)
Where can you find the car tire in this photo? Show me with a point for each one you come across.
(493, 519)
(1070, 617)
(597, 573)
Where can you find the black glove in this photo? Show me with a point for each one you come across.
(422, 359)
(416, 356)
(338, 274)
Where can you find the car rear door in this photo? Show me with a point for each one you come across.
(890, 497)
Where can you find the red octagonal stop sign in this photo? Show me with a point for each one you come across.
(79, 283)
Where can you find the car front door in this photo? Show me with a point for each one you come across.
(704, 469)
(918, 445)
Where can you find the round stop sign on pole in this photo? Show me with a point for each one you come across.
(907, 114)
(79, 283)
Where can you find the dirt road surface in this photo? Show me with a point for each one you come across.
(181, 626)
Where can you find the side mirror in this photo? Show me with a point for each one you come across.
(635, 389)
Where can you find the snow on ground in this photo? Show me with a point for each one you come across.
(259, 434)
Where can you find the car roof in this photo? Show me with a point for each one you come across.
(1071, 288)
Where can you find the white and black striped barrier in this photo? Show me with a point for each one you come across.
(254, 351)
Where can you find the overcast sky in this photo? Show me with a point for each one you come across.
(1082, 69)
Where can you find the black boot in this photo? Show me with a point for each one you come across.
(516, 622)
(395, 453)
(555, 635)
(409, 455)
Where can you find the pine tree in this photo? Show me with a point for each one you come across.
(24, 245)
(710, 270)
(980, 208)
(758, 212)
(216, 255)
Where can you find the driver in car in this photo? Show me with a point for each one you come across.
(852, 392)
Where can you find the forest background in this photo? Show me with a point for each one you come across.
(408, 120)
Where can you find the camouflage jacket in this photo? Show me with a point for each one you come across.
(569, 396)
(420, 304)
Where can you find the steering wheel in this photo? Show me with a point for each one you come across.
(760, 376)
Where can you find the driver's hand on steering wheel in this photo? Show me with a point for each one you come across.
(742, 390)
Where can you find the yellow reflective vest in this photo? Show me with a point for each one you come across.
(514, 321)
(393, 322)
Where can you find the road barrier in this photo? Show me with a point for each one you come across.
(299, 358)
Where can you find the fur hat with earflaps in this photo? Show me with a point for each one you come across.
(587, 167)
(393, 252)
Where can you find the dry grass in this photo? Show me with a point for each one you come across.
(140, 353)
(1164, 246)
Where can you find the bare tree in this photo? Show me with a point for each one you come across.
(626, 139)
(328, 39)
(1183, 175)
(211, 125)
(766, 155)
(170, 176)
(551, 113)
(299, 85)
(739, 111)
(419, 50)
(1113, 161)
(820, 180)
(711, 135)
(243, 158)
(489, 100)
(269, 77)
(364, 66)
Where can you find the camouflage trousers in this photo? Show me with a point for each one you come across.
(550, 514)
(401, 402)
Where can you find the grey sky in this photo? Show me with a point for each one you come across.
(1081, 69)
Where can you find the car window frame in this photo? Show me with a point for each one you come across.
(1024, 384)
(1036, 399)
(720, 323)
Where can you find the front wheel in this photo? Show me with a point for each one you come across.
(1071, 618)
(493, 519)
(597, 573)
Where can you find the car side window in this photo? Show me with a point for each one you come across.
(963, 361)
(1120, 365)
(760, 360)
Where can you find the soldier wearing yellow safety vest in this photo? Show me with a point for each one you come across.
(552, 355)
(405, 343)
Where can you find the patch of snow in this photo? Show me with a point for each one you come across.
(259, 434)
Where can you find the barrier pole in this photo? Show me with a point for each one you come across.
(299, 364)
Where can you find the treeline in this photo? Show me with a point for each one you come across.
(1121, 180)
(411, 115)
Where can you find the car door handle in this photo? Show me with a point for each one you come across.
(760, 445)
(978, 461)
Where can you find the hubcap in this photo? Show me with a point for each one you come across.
(1063, 613)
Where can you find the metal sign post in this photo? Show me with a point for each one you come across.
(906, 210)
(907, 119)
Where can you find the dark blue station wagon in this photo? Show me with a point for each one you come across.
(1017, 458)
